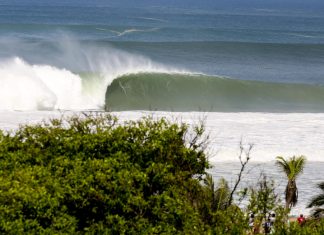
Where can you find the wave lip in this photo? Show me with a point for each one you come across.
(196, 92)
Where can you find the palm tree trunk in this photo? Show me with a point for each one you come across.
(291, 194)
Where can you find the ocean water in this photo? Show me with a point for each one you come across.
(49, 48)
(253, 71)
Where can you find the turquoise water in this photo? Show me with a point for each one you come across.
(277, 41)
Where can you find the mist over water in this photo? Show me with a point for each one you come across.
(63, 74)
(37, 87)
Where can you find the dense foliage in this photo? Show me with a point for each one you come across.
(95, 175)
(263, 199)
(317, 203)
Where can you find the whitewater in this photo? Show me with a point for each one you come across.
(26, 86)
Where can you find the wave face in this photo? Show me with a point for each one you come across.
(189, 92)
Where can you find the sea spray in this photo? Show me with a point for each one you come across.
(73, 76)
(38, 87)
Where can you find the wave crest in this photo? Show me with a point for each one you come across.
(38, 87)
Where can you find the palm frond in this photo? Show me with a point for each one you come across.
(318, 213)
(283, 165)
(292, 167)
(222, 193)
(299, 163)
(316, 201)
(321, 185)
(209, 182)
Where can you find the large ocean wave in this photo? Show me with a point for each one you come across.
(72, 75)
(133, 84)
(195, 92)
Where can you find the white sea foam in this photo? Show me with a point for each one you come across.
(152, 19)
(272, 134)
(32, 87)
(133, 30)
(52, 84)
(40, 87)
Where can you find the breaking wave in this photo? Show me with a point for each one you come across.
(73, 76)
(70, 75)
(196, 92)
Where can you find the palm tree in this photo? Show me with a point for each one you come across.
(292, 167)
(217, 195)
(317, 202)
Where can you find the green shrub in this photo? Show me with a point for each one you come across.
(92, 174)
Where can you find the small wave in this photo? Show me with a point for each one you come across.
(127, 31)
(101, 29)
(152, 19)
(301, 35)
